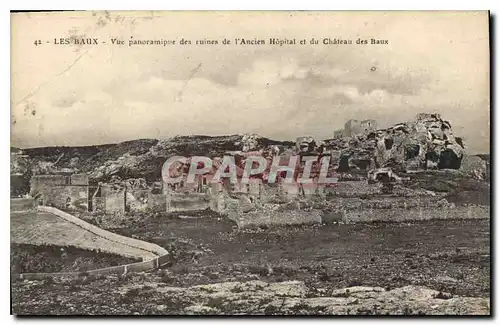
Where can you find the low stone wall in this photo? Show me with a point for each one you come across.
(270, 192)
(98, 204)
(137, 199)
(270, 217)
(148, 247)
(188, 202)
(157, 202)
(275, 218)
(61, 190)
(417, 214)
(58, 196)
(114, 200)
(223, 204)
(120, 269)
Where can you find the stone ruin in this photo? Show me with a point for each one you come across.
(355, 127)
(427, 142)
(118, 196)
(250, 142)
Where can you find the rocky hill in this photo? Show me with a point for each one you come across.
(131, 159)
(427, 142)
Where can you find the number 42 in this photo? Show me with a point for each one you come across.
(37, 42)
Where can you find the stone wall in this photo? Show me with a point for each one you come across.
(368, 125)
(275, 217)
(157, 202)
(338, 134)
(114, 200)
(61, 191)
(187, 201)
(66, 196)
(40, 181)
(222, 203)
(120, 269)
(293, 190)
(270, 192)
(97, 204)
(137, 199)
(427, 142)
(417, 214)
(253, 187)
(79, 179)
(356, 127)
(118, 200)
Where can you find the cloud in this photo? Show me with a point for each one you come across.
(281, 98)
(114, 94)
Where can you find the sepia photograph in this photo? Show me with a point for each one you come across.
(279, 163)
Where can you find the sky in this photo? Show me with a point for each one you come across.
(93, 94)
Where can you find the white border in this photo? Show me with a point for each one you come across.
(193, 5)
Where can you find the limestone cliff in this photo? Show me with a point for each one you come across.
(427, 142)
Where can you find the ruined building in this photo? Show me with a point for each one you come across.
(427, 142)
(109, 198)
(120, 196)
(338, 134)
(61, 191)
(356, 127)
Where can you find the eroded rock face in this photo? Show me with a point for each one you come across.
(476, 167)
(249, 142)
(427, 142)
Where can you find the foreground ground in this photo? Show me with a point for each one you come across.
(25, 258)
(217, 268)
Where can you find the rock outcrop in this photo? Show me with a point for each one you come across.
(294, 298)
(249, 142)
(427, 142)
